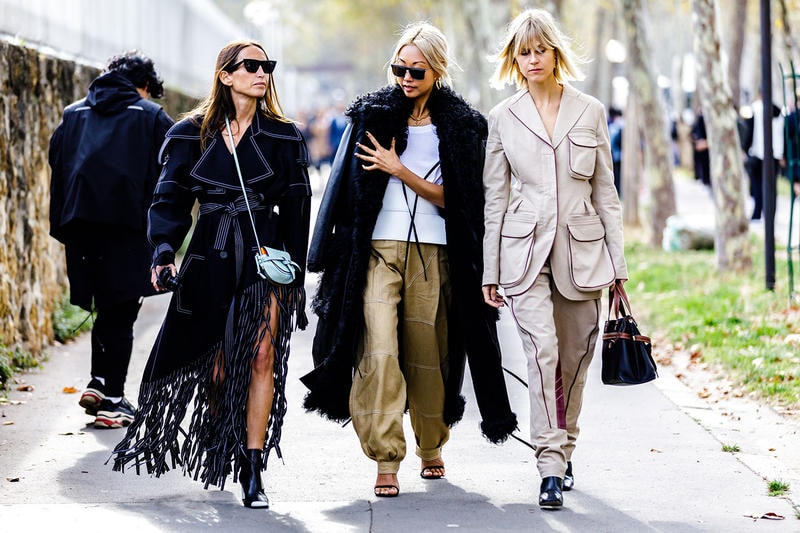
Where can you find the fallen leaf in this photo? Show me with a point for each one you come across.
(655, 450)
(9, 423)
(25, 388)
(766, 516)
(69, 390)
(12, 479)
(68, 433)
(704, 393)
(772, 449)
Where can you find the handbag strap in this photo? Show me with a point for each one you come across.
(618, 301)
(241, 181)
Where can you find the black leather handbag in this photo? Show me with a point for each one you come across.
(627, 354)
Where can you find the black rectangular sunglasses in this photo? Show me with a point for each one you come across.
(416, 73)
(251, 65)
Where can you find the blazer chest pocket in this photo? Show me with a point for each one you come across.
(591, 267)
(582, 153)
(516, 248)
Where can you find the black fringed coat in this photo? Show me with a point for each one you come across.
(201, 361)
(342, 240)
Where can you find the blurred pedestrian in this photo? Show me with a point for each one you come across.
(398, 243)
(701, 158)
(755, 151)
(104, 162)
(224, 345)
(336, 127)
(554, 239)
(615, 125)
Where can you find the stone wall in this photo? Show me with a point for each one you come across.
(34, 89)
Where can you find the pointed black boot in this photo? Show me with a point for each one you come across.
(253, 495)
(569, 478)
(550, 492)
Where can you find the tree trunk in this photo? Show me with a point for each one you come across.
(599, 83)
(727, 176)
(631, 163)
(658, 150)
(480, 37)
(788, 41)
(737, 18)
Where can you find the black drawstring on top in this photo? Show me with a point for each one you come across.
(412, 211)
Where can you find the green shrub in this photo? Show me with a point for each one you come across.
(69, 320)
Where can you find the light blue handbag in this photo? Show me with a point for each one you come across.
(271, 264)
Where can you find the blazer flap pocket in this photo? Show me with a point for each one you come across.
(584, 138)
(591, 267)
(516, 248)
(582, 152)
(518, 226)
(586, 231)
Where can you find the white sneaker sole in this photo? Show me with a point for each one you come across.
(111, 420)
(90, 400)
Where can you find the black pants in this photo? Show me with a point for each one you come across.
(112, 344)
(754, 170)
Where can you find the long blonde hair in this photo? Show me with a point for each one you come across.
(431, 42)
(211, 112)
(523, 32)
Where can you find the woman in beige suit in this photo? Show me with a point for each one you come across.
(553, 236)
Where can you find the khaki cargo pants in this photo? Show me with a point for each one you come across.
(403, 353)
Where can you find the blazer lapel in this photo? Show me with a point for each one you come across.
(570, 110)
(525, 111)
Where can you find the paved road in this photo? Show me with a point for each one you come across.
(649, 459)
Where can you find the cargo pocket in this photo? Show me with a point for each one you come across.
(516, 248)
(591, 267)
(582, 153)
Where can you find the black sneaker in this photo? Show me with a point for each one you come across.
(92, 397)
(114, 415)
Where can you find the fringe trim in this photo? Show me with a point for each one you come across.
(213, 444)
(498, 432)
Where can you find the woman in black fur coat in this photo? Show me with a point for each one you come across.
(398, 242)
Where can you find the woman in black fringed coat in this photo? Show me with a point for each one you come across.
(224, 344)
(372, 207)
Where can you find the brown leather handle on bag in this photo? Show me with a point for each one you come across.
(618, 299)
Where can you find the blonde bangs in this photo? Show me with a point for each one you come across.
(524, 32)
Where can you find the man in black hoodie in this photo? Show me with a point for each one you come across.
(104, 161)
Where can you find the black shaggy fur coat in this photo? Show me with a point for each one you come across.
(342, 240)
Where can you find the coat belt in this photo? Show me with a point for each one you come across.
(229, 217)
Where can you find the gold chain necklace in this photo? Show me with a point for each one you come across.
(419, 119)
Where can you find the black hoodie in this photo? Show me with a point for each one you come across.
(103, 157)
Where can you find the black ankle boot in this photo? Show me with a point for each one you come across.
(550, 492)
(569, 478)
(253, 495)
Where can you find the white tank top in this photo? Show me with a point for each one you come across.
(394, 219)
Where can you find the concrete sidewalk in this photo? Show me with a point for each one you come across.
(649, 459)
(695, 204)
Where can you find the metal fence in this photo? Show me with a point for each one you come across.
(182, 37)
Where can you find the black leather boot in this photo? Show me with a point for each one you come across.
(550, 492)
(569, 478)
(253, 495)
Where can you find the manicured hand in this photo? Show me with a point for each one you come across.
(380, 158)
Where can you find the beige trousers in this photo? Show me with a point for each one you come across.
(403, 354)
(558, 337)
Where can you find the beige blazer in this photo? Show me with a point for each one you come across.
(551, 202)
